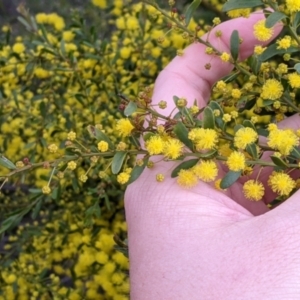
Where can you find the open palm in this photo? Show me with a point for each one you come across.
(202, 243)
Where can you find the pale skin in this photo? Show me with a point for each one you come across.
(202, 243)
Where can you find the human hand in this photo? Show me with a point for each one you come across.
(202, 243)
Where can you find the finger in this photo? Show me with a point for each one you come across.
(186, 76)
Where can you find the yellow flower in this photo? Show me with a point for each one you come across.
(293, 5)
(155, 145)
(261, 32)
(71, 136)
(206, 170)
(272, 89)
(236, 93)
(225, 56)
(253, 190)
(245, 136)
(83, 178)
(71, 165)
(204, 139)
(294, 80)
(236, 13)
(236, 161)
(46, 190)
(284, 43)
(18, 48)
(102, 146)
(41, 18)
(172, 148)
(187, 178)
(281, 183)
(68, 35)
(52, 148)
(124, 127)
(123, 177)
(125, 52)
(100, 3)
(9, 279)
(258, 50)
(160, 177)
(283, 140)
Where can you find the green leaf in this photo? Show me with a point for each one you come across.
(216, 106)
(117, 161)
(297, 68)
(208, 118)
(137, 171)
(234, 44)
(55, 195)
(296, 20)
(263, 132)
(190, 11)
(252, 150)
(210, 154)
(272, 51)
(279, 162)
(147, 136)
(255, 64)
(237, 127)
(182, 133)
(237, 4)
(6, 163)
(184, 166)
(130, 108)
(273, 18)
(24, 22)
(37, 208)
(296, 152)
(229, 179)
(99, 135)
(249, 124)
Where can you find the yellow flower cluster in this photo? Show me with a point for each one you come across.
(171, 148)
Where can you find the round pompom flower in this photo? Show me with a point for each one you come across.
(244, 137)
(294, 80)
(261, 32)
(236, 161)
(124, 127)
(172, 148)
(253, 190)
(293, 5)
(272, 89)
(155, 145)
(206, 171)
(187, 178)
(281, 183)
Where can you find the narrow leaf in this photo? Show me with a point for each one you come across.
(184, 166)
(6, 163)
(272, 51)
(279, 162)
(296, 20)
(229, 179)
(208, 118)
(117, 161)
(273, 18)
(234, 44)
(190, 11)
(182, 133)
(252, 150)
(237, 4)
(297, 67)
(137, 171)
(130, 108)
(100, 136)
(248, 123)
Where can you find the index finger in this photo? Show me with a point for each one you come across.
(186, 76)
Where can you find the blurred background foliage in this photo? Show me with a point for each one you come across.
(63, 65)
